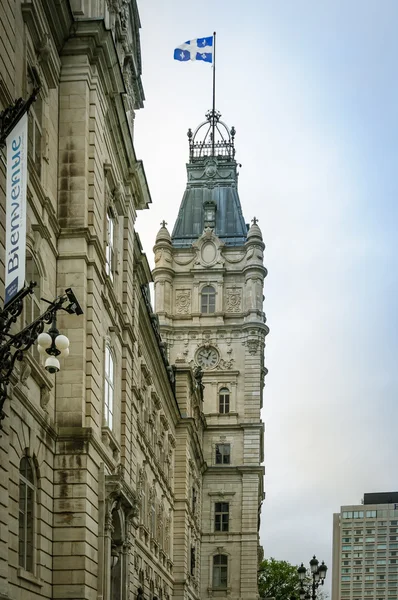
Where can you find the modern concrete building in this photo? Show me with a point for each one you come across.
(365, 549)
(123, 477)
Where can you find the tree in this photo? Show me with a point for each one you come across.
(277, 579)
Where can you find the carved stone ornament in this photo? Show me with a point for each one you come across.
(44, 397)
(208, 249)
(225, 365)
(253, 345)
(183, 301)
(233, 300)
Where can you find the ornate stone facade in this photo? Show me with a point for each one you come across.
(90, 459)
(222, 336)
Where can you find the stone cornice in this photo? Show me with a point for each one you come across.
(252, 469)
(59, 14)
(242, 425)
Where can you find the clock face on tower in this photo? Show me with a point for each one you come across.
(207, 358)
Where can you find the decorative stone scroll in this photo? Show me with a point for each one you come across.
(233, 300)
(253, 344)
(183, 301)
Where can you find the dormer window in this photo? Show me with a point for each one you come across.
(209, 214)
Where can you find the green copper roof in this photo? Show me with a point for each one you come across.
(211, 198)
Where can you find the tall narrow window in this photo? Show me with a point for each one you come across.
(223, 401)
(208, 299)
(26, 514)
(220, 571)
(35, 127)
(110, 245)
(32, 301)
(109, 387)
(153, 520)
(223, 454)
(221, 516)
(193, 560)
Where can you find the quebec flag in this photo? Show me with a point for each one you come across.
(199, 49)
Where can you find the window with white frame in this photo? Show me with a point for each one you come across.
(208, 299)
(220, 571)
(110, 245)
(27, 499)
(223, 454)
(109, 387)
(223, 401)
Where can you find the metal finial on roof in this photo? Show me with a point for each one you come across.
(212, 138)
(254, 220)
(163, 223)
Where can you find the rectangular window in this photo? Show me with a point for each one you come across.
(223, 404)
(346, 548)
(221, 516)
(371, 513)
(110, 245)
(26, 516)
(220, 571)
(35, 117)
(208, 299)
(223, 454)
(108, 388)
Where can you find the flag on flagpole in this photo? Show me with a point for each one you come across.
(199, 49)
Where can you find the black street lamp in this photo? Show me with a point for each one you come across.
(50, 343)
(317, 572)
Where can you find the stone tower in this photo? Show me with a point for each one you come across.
(209, 277)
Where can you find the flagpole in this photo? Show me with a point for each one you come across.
(214, 94)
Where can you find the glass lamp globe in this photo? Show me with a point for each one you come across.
(61, 342)
(44, 340)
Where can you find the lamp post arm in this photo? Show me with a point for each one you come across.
(9, 315)
(15, 346)
(10, 116)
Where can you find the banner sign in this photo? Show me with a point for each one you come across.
(17, 172)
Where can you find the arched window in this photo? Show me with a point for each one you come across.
(223, 401)
(27, 499)
(220, 571)
(208, 299)
(109, 387)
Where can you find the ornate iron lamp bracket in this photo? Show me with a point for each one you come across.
(13, 347)
(10, 116)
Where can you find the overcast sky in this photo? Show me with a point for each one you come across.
(311, 88)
